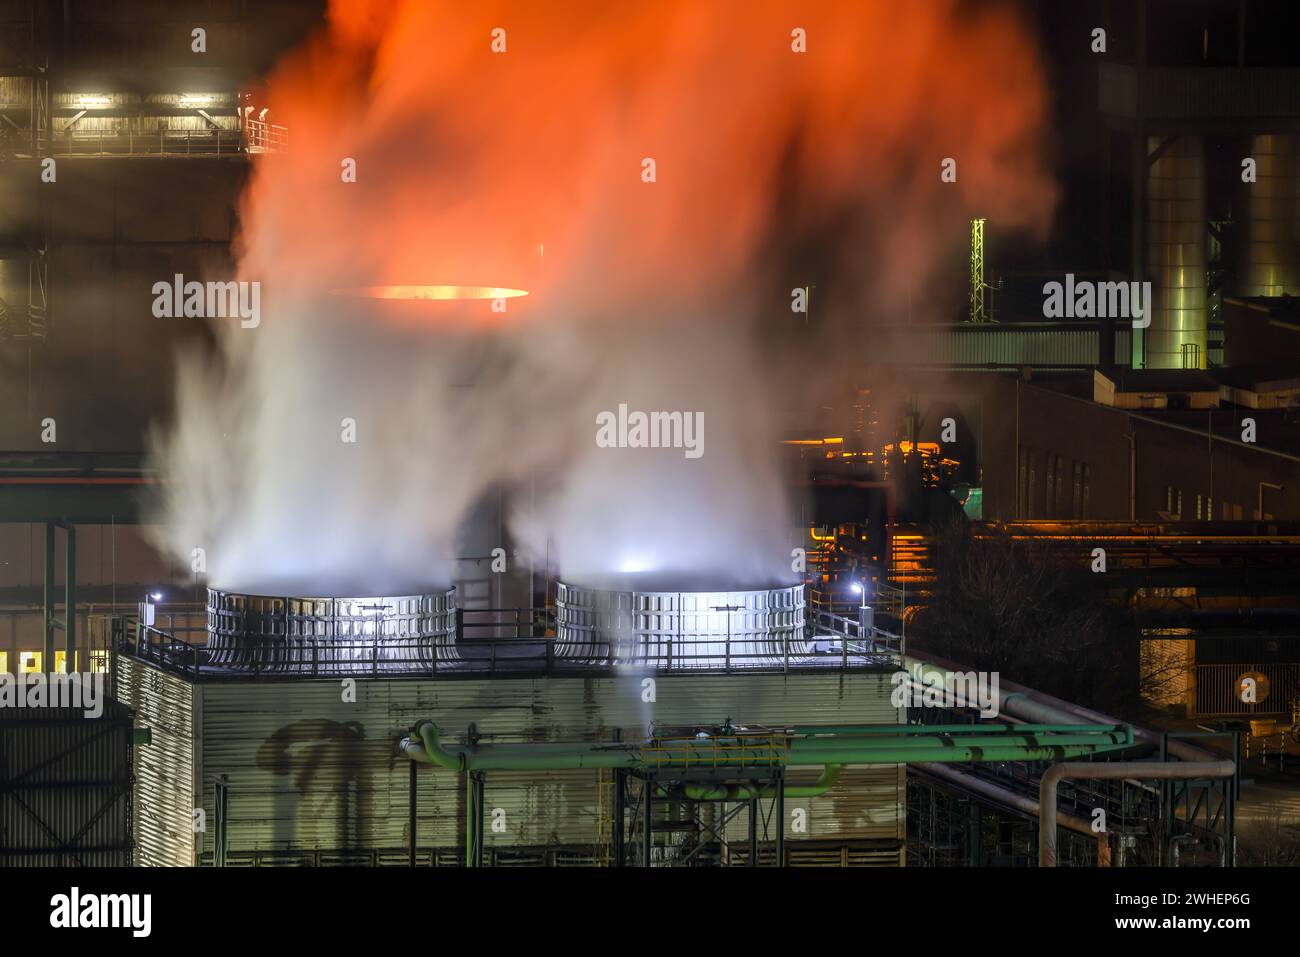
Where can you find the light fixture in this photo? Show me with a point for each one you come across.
(192, 100)
(430, 293)
(92, 100)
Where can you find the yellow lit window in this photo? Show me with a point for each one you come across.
(29, 662)
(4, 662)
(99, 661)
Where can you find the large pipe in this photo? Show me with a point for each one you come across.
(984, 727)
(1113, 770)
(976, 785)
(945, 742)
(730, 753)
(1030, 705)
(743, 792)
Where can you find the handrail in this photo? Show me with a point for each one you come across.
(473, 653)
(170, 142)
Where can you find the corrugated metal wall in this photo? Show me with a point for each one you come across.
(165, 769)
(309, 771)
(1011, 344)
(65, 787)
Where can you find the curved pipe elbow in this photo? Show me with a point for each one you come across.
(429, 749)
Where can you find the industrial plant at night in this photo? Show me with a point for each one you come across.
(650, 435)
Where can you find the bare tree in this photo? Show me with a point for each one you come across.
(1272, 841)
(1014, 606)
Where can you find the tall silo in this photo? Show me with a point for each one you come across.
(1176, 255)
(1272, 251)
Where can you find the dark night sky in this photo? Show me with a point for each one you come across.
(1184, 33)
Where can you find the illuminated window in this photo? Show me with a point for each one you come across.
(99, 661)
(29, 662)
(60, 662)
(4, 662)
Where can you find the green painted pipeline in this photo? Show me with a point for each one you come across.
(847, 749)
(811, 730)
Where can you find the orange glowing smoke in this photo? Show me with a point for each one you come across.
(470, 162)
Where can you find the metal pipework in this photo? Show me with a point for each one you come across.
(743, 792)
(988, 789)
(950, 729)
(1031, 705)
(766, 751)
(1137, 770)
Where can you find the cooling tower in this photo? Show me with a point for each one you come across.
(330, 636)
(676, 629)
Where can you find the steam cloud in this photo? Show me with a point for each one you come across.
(524, 169)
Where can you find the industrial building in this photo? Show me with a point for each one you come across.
(473, 638)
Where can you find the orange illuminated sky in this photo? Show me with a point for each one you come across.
(469, 161)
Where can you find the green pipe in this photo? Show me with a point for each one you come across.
(965, 741)
(728, 753)
(851, 755)
(929, 729)
(431, 735)
(518, 757)
(498, 758)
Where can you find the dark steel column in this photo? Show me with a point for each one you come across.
(70, 598)
(47, 652)
(647, 805)
(410, 837)
(620, 814)
(474, 819)
(221, 806)
(753, 832)
(780, 817)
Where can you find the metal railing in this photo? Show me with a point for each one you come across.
(162, 142)
(510, 642)
(1217, 694)
(266, 137)
(849, 628)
